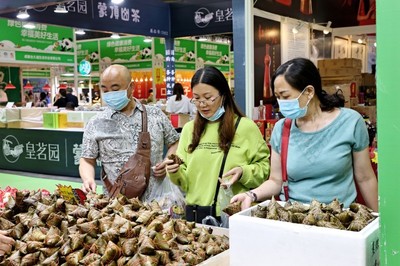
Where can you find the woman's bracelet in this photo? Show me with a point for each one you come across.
(252, 195)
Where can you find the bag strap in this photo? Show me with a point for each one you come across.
(141, 145)
(221, 170)
(284, 152)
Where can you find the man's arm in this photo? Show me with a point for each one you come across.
(87, 173)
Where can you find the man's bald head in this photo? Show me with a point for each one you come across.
(117, 72)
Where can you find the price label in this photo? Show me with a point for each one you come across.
(67, 193)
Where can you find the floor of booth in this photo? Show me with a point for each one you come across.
(32, 181)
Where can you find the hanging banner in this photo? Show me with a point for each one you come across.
(214, 54)
(43, 44)
(202, 18)
(185, 54)
(132, 52)
(89, 51)
(142, 17)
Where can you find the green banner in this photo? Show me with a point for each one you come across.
(185, 55)
(36, 74)
(44, 57)
(209, 53)
(138, 65)
(159, 47)
(42, 40)
(41, 151)
(89, 51)
(124, 50)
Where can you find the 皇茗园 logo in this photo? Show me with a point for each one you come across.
(12, 149)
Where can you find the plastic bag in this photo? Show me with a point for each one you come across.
(170, 199)
(224, 198)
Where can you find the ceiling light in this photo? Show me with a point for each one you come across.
(147, 39)
(63, 86)
(9, 85)
(117, 2)
(67, 74)
(80, 31)
(328, 28)
(46, 87)
(295, 30)
(115, 36)
(360, 40)
(28, 86)
(375, 44)
(202, 38)
(29, 25)
(60, 9)
(23, 14)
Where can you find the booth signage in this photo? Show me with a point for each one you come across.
(84, 67)
(130, 51)
(202, 19)
(89, 51)
(142, 17)
(37, 151)
(185, 54)
(209, 53)
(44, 43)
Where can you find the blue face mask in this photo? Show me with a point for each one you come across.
(291, 108)
(116, 100)
(220, 111)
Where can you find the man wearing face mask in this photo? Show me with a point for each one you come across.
(112, 135)
(328, 144)
(218, 129)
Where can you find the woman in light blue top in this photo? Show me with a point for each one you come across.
(328, 144)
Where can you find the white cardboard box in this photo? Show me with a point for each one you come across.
(256, 241)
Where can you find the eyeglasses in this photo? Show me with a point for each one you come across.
(204, 102)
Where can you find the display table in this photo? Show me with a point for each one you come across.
(42, 150)
(22, 182)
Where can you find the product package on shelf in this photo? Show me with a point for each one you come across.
(54, 120)
(347, 87)
(179, 120)
(32, 117)
(75, 119)
(9, 116)
(260, 241)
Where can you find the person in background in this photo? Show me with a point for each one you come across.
(6, 243)
(96, 98)
(178, 103)
(61, 99)
(328, 144)
(206, 139)
(150, 99)
(48, 99)
(112, 135)
(72, 98)
(42, 101)
(70, 106)
(29, 96)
